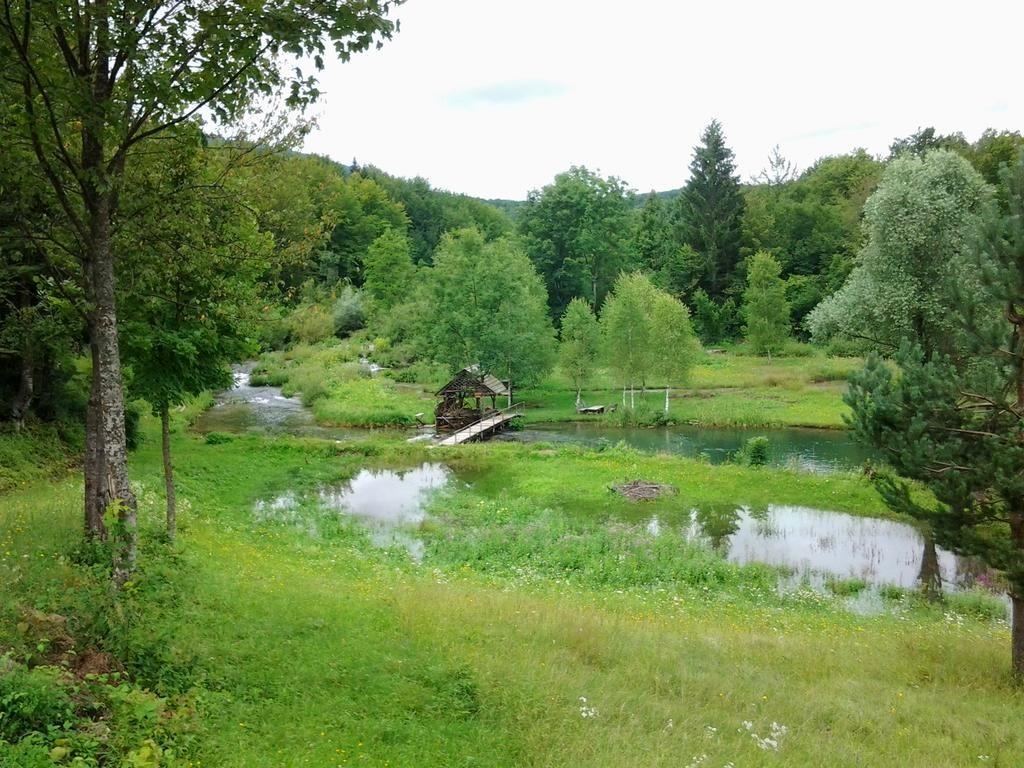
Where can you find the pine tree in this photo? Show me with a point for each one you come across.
(956, 424)
(655, 241)
(765, 307)
(711, 210)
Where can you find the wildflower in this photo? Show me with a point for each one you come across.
(586, 711)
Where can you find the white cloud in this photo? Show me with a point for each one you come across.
(494, 97)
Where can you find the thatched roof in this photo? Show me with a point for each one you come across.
(469, 381)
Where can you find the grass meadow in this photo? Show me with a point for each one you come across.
(292, 642)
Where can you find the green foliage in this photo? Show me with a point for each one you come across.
(432, 212)
(311, 323)
(579, 343)
(916, 268)
(485, 304)
(711, 210)
(32, 700)
(765, 307)
(347, 312)
(389, 274)
(714, 322)
(578, 232)
(755, 452)
(217, 438)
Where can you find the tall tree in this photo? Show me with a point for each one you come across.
(711, 210)
(916, 266)
(577, 232)
(579, 344)
(626, 330)
(655, 241)
(389, 273)
(98, 81)
(956, 423)
(674, 344)
(765, 308)
(189, 280)
(485, 304)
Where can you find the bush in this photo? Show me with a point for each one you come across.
(311, 323)
(32, 701)
(347, 313)
(754, 452)
(218, 438)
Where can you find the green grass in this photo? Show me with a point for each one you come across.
(538, 590)
(330, 380)
(724, 390)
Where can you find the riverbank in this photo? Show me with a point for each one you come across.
(725, 390)
(294, 638)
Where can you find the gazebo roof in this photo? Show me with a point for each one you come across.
(471, 381)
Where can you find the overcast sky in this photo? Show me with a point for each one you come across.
(494, 97)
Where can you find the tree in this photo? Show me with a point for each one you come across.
(955, 423)
(577, 232)
(98, 82)
(674, 344)
(779, 171)
(626, 329)
(711, 210)
(389, 273)
(189, 277)
(916, 266)
(765, 308)
(579, 346)
(361, 211)
(485, 304)
(655, 241)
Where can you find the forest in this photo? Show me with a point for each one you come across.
(227, 536)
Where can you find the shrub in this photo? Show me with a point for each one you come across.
(32, 701)
(218, 438)
(347, 313)
(311, 323)
(754, 452)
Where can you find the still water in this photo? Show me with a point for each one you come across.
(811, 450)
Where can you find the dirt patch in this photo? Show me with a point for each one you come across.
(644, 490)
(94, 662)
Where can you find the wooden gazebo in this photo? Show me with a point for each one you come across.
(462, 400)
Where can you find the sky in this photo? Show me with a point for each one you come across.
(494, 97)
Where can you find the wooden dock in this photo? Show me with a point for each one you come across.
(485, 427)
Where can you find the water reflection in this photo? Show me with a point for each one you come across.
(388, 503)
(811, 450)
(818, 546)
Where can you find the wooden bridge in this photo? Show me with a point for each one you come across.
(490, 424)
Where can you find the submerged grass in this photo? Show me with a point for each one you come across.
(545, 628)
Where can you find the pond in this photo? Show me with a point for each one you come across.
(247, 408)
(388, 503)
(813, 547)
(811, 450)
(817, 546)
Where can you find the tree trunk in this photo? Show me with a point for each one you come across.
(579, 399)
(632, 398)
(111, 393)
(1017, 636)
(172, 512)
(666, 401)
(26, 388)
(96, 495)
(929, 577)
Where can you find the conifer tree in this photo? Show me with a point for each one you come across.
(711, 210)
(956, 424)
